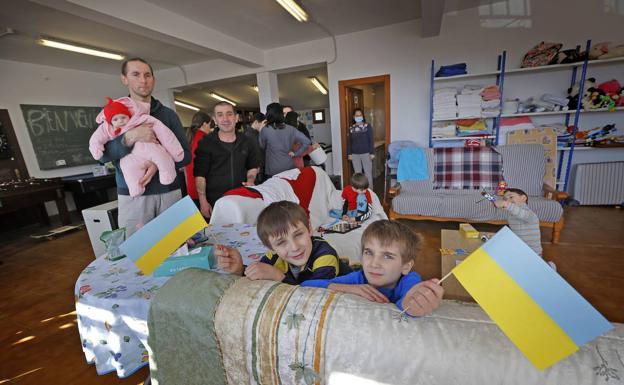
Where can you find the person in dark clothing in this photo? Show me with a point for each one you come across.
(253, 132)
(292, 119)
(278, 139)
(134, 212)
(224, 160)
(361, 144)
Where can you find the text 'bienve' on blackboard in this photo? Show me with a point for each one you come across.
(45, 121)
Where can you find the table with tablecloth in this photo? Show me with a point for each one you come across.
(113, 299)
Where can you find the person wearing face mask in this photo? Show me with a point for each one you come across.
(361, 145)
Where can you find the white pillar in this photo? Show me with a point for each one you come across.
(267, 89)
(166, 97)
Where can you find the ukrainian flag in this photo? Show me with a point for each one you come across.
(161, 236)
(539, 311)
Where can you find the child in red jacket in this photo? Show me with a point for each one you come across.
(357, 200)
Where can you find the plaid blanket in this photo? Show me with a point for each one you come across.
(466, 168)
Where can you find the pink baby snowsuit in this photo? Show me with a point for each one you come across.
(134, 165)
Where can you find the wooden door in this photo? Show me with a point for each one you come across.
(12, 165)
(346, 113)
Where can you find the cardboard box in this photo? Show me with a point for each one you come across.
(173, 265)
(455, 248)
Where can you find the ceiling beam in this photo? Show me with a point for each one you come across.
(145, 19)
(431, 12)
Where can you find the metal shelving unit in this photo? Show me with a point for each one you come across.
(565, 155)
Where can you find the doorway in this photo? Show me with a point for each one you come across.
(372, 95)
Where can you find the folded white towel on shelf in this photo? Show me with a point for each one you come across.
(443, 131)
(470, 98)
(490, 113)
(446, 90)
(495, 103)
(440, 102)
(471, 89)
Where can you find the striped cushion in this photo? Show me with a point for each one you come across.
(466, 168)
(523, 167)
(444, 205)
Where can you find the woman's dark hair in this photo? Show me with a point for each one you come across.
(356, 110)
(291, 119)
(198, 120)
(275, 115)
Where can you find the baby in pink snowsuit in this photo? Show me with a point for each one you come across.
(122, 115)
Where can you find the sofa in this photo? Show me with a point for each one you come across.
(522, 167)
(209, 328)
(322, 198)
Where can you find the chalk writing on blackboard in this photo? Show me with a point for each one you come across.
(60, 134)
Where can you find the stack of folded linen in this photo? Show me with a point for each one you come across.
(559, 102)
(490, 104)
(469, 102)
(443, 129)
(451, 70)
(490, 108)
(444, 103)
(471, 127)
(490, 92)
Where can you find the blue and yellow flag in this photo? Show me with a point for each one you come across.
(161, 236)
(537, 309)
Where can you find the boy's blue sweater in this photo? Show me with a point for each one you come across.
(394, 295)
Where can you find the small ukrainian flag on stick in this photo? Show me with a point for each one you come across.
(160, 237)
(537, 309)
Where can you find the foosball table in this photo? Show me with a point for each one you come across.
(22, 193)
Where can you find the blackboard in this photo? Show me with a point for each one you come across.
(60, 134)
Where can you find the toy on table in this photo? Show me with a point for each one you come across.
(338, 226)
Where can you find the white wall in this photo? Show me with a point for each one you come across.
(320, 132)
(23, 83)
(185, 115)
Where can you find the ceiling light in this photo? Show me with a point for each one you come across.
(179, 103)
(221, 98)
(255, 88)
(75, 48)
(317, 83)
(294, 9)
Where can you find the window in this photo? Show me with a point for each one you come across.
(318, 116)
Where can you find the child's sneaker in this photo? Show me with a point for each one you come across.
(552, 264)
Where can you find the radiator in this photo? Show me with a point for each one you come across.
(599, 183)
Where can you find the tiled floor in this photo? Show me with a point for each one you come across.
(39, 341)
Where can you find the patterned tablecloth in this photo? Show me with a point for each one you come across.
(113, 299)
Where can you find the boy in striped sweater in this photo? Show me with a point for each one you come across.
(522, 220)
